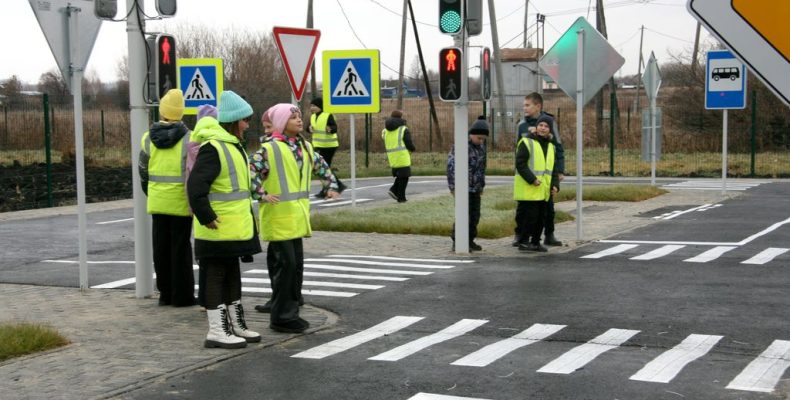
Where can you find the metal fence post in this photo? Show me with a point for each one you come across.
(102, 127)
(754, 129)
(493, 126)
(430, 133)
(611, 132)
(48, 149)
(5, 127)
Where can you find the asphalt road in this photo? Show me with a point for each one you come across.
(694, 306)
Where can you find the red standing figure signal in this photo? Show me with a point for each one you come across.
(450, 73)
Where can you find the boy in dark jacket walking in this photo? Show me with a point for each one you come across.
(478, 133)
(398, 144)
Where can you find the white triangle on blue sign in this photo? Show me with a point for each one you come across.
(349, 84)
(198, 88)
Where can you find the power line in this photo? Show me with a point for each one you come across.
(669, 36)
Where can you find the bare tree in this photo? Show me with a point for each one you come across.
(52, 83)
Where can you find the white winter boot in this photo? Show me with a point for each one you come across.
(239, 325)
(219, 331)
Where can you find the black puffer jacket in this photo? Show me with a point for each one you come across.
(164, 135)
(393, 123)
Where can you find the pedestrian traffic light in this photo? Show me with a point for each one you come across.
(450, 16)
(166, 8)
(485, 73)
(450, 73)
(105, 9)
(165, 64)
(474, 17)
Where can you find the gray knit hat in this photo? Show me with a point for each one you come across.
(479, 127)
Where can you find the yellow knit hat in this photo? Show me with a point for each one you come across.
(171, 106)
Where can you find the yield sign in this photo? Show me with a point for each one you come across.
(755, 31)
(297, 48)
(652, 78)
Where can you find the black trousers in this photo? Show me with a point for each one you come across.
(286, 271)
(474, 216)
(548, 220)
(401, 181)
(223, 280)
(173, 259)
(327, 153)
(532, 214)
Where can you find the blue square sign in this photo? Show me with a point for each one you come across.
(201, 81)
(725, 81)
(352, 79)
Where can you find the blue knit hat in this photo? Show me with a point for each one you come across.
(232, 107)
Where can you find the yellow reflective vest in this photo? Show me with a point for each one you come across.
(166, 177)
(541, 165)
(229, 194)
(289, 218)
(397, 153)
(321, 138)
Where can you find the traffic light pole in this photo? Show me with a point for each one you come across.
(460, 120)
(143, 253)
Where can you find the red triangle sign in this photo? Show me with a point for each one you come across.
(297, 49)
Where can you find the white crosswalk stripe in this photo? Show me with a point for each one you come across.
(708, 255)
(732, 184)
(666, 366)
(760, 375)
(431, 396)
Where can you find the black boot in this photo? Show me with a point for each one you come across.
(551, 240)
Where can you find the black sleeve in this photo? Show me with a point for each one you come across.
(142, 169)
(206, 169)
(559, 156)
(331, 124)
(407, 140)
(522, 164)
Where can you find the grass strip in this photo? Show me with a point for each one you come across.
(18, 339)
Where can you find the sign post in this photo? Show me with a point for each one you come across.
(581, 61)
(652, 80)
(725, 88)
(755, 31)
(71, 53)
(353, 81)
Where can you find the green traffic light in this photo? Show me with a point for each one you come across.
(450, 22)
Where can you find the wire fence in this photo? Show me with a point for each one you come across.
(691, 142)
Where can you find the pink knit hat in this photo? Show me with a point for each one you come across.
(280, 114)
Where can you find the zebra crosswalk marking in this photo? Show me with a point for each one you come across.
(579, 356)
(387, 327)
(327, 293)
(610, 251)
(659, 252)
(380, 263)
(345, 276)
(765, 371)
(367, 270)
(495, 351)
(428, 260)
(710, 255)
(321, 283)
(457, 329)
(431, 396)
(766, 256)
(665, 367)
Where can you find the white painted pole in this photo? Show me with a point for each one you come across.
(352, 137)
(724, 153)
(460, 137)
(579, 133)
(79, 145)
(143, 253)
(653, 152)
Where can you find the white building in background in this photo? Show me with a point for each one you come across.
(520, 72)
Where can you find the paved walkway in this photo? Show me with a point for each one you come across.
(120, 343)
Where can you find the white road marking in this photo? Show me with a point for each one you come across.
(88, 262)
(614, 250)
(431, 396)
(385, 328)
(741, 243)
(495, 351)
(766, 256)
(346, 276)
(116, 284)
(459, 328)
(665, 367)
(381, 263)
(765, 371)
(676, 214)
(320, 283)
(401, 258)
(710, 255)
(368, 270)
(343, 202)
(327, 293)
(659, 252)
(579, 356)
(115, 221)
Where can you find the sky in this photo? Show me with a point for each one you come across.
(360, 24)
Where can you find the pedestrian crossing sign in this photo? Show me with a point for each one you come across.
(351, 79)
(201, 81)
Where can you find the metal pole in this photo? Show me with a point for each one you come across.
(611, 133)
(579, 125)
(5, 125)
(102, 127)
(367, 139)
(724, 153)
(48, 147)
(460, 118)
(76, 92)
(353, 148)
(754, 130)
(653, 141)
(143, 253)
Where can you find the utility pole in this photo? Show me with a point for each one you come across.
(639, 71)
(402, 55)
(500, 83)
(600, 25)
(526, 21)
(425, 76)
(313, 86)
(143, 249)
(696, 50)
